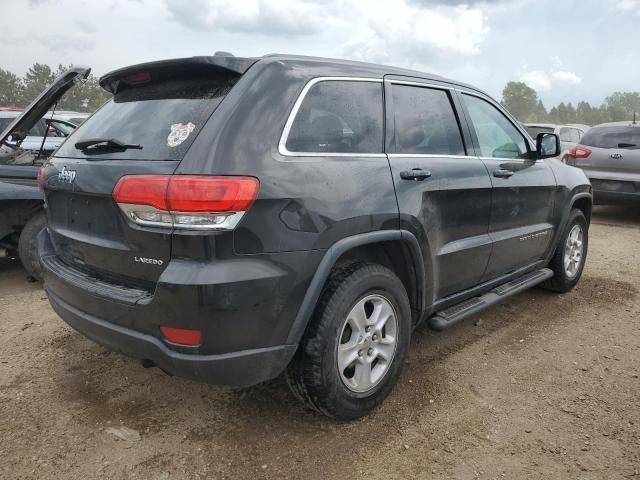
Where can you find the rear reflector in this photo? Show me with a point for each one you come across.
(182, 336)
(186, 201)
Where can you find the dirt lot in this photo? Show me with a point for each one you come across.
(542, 386)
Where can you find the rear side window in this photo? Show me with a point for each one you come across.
(339, 116)
(163, 117)
(425, 122)
(612, 137)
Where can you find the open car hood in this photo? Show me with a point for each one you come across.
(39, 107)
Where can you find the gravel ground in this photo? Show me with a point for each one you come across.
(541, 386)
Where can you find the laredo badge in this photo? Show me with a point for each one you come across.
(179, 133)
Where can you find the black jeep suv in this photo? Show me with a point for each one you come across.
(227, 219)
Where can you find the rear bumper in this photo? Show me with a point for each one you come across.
(243, 368)
(244, 308)
(615, 191)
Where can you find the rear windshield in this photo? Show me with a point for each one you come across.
(163, 117)
(612, 137)
(534, 131)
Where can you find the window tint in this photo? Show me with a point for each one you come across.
(163, 117)
(497, 136)
(612, 137)
(425, 122)
(339, 116)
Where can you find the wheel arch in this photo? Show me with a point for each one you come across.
(398, 250)
(584, 203)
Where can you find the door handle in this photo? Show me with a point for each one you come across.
(502, 173)
(416, 174)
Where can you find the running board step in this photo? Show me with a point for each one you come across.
(462, 311)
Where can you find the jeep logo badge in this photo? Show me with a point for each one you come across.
(66, 175)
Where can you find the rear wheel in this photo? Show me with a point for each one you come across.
(570, 256)
(351, 355)
(27, 245)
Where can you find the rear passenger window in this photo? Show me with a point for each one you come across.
(339, 116)
(425, 122)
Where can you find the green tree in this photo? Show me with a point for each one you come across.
(10, 89)
(86, 96)
(622, 105)
(541, 114)
(38, 77)
(521, 100)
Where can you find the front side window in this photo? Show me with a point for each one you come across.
(425, 122)
(497, 136)
(339, 116)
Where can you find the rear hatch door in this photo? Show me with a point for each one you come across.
(160, 107)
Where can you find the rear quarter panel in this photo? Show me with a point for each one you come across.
(305, 203)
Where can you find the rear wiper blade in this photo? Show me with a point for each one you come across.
(627, 145)
(106, 144)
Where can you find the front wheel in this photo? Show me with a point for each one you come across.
(350, 358)
(571, 254)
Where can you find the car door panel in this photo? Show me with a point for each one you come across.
(521, 222)
(449, 211)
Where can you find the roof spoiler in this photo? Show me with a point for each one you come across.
(145, 72)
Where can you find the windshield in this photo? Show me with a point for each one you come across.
(534, 131)
(612, 137)
(164, 118)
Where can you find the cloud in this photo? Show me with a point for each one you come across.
(632, 6)
(538, 80)
(412, 35)
(569, 78)
(546, 80)
(281, 18)
(408, 33)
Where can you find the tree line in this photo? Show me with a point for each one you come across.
(18, 92)
(523, 102)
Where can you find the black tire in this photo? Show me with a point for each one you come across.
(313, 374)
(27, 245)
(561, 282)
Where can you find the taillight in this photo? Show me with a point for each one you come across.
(186, 201)
(41, 178)
(182, 336)
(579, 152)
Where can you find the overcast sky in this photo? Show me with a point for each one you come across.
(568, 50)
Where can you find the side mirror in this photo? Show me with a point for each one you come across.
(548, 145)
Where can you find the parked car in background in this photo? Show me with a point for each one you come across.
(610, 156)
(299, 214)
(35, 135)
(569, 135)
(76, 118)
(21, 202)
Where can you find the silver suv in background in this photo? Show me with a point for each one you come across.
(570, 135)
(610, 156)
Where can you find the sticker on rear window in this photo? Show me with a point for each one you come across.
(179, 133)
